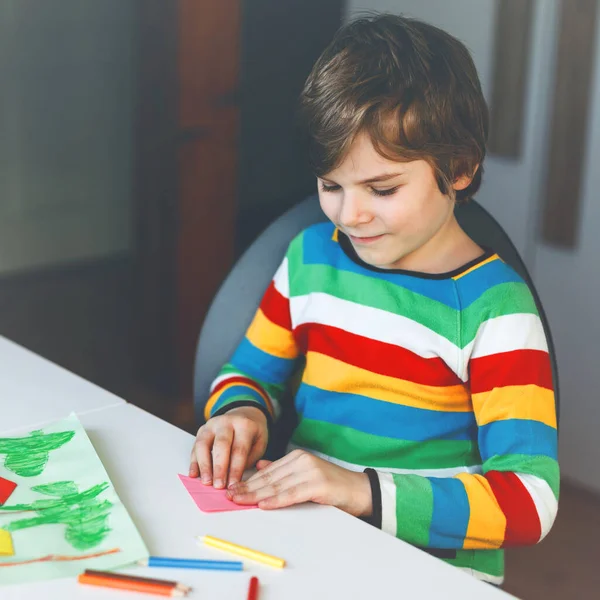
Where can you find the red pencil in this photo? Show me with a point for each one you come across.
(253, 589)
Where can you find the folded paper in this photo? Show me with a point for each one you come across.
(210, 499)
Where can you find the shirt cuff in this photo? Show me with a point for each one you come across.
(239, 404)
(375, 518)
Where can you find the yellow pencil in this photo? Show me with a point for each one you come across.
(267, 559)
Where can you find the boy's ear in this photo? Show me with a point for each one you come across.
(464, 181)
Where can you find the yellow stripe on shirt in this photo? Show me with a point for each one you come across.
(515, 402)
(477, 266)
(271, 338)
(334, 375)
(487, 523)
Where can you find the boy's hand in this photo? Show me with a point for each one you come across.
(228, 444)
(303, 477)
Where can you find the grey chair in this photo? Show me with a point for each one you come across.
(238, 297)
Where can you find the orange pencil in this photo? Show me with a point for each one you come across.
(135, 578)
(133, 586)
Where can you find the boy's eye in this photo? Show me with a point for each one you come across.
(387, 192)
(329, 188)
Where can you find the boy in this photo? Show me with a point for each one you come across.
(426, 404)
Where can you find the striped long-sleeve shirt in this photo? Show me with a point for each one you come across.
(439, 386)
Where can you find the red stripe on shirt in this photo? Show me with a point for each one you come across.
(276, 307)
(519, 367)
(523, 525)
(375, 356)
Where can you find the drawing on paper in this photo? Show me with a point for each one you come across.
(7, 487)
(63, 514)
(83, 514)
(29, 455)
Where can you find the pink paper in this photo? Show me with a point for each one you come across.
(209, 499)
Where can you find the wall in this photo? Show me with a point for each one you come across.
(569, 283)
(277, 54)
(66, 76)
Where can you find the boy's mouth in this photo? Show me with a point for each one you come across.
(365, 240)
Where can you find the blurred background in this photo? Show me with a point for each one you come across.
(144, 144)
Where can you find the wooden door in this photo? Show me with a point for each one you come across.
(187, 131)
(208, 79)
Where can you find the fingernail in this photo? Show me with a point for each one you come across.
(205, 479)
(232, 485)
(218, 483)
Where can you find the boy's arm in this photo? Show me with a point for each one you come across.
(264, 360)
(514, 500)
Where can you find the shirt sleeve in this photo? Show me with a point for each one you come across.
(514, 500)
(259, 369)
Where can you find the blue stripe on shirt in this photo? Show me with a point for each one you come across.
(451, 513)
(517, 436)
(386, 419)
(256, 364)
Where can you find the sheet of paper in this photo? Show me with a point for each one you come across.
(6, 489)
(6, 545)
(210, 499)
(64, 515)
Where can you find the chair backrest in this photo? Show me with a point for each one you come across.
(236, 301)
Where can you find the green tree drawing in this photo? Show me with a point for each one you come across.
(83, 513)
(27, 456)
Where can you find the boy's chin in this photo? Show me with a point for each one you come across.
(376, 259)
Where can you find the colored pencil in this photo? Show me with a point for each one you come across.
(253, 589)
(133, 586)
(125, 577)
(192, 563)
(267, 559)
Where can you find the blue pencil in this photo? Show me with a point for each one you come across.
(192, 563)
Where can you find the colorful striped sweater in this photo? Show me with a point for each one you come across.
(439, 386)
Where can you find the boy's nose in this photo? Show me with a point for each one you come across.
(353, 212)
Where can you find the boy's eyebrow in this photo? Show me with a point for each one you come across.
(376, 179)
(380, 178)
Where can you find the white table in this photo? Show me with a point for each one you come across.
(34, 391)
(330, 554)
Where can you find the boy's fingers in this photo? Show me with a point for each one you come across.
(239, 458)
(201, 457)
(194, 470)
(294, 492)
(265, 471)
(220, 457)
(268, 478)
(284, 489)
(259, 444)
(262, 464)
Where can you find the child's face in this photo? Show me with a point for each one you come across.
(388, 209)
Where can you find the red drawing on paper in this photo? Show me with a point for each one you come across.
(6, 489)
